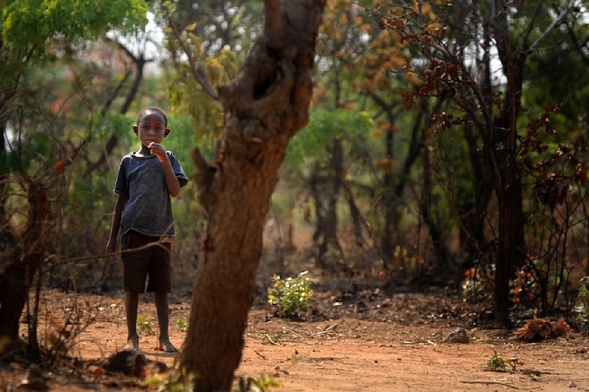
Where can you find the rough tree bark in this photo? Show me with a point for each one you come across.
(264, 107)
(23, 261)
(502, 148)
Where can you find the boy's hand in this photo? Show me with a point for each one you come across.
(158, 150)
(111, 250)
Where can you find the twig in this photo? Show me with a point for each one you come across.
(260, 354)
(328, 329)
(272, 341)
(485, 382)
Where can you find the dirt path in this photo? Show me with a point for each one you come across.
(352, 355)
(339, 355)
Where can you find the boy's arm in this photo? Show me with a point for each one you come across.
(111, 247)
(172, 181)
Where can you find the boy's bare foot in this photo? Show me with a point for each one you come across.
(167, 346)
(133, 343)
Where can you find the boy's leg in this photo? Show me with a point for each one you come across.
(163, 318)
(131, 307)
(160, 283)
(135, 270)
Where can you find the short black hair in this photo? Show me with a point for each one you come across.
(150, 109)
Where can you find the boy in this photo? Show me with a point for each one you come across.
(143, 215)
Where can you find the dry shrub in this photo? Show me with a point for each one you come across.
(541, 329)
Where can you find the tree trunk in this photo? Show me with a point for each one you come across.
(23, 261)
(389, 203)
(392, 192)
(472, 234)
(325, 191)
(443, 267)
(264, 107)
(508, 189)
(4, 173)
(503, 148)
(510, 243)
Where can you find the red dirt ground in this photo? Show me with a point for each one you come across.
(377, 342)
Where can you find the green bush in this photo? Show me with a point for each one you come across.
(291, 295)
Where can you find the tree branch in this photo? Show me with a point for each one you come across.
(197, 71)
(554, 24)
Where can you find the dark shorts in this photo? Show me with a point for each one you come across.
(148, 268)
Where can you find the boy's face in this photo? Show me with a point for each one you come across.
(151, 128)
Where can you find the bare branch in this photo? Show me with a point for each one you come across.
(195, 66)
(554, 24)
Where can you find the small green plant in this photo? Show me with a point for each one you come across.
(291, 295)
(498, 364)
(181, 324)
(144, 324)
(173, 381)
(261, 384)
